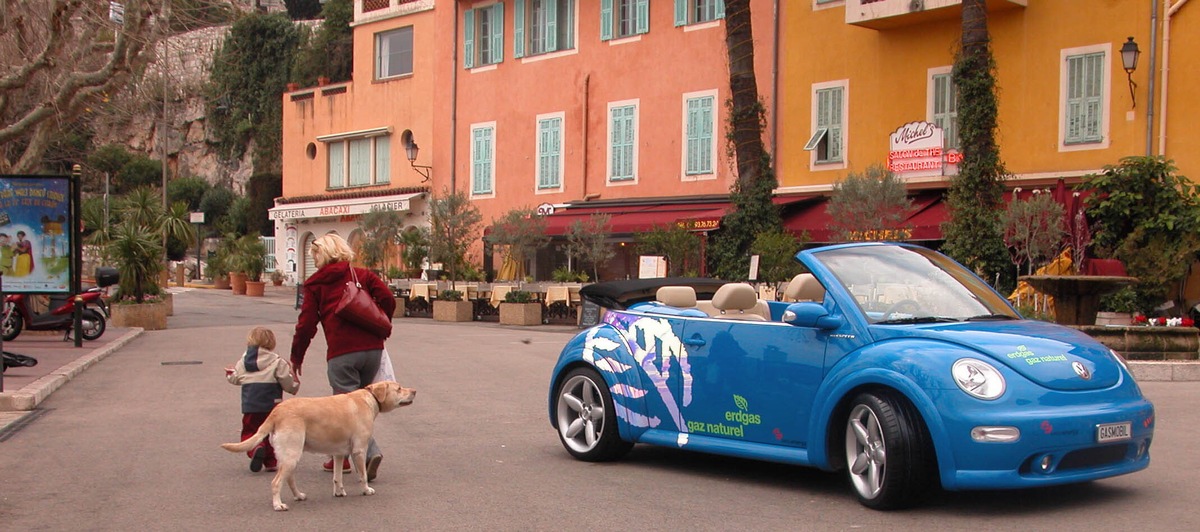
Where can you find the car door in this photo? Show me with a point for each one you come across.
(752, 381)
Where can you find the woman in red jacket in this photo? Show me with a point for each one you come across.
(353, 354)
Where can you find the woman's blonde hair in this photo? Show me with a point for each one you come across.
(261, 337)
(329, 249)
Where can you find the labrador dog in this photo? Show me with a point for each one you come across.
(338, 425)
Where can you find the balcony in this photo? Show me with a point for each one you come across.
(886, 14)
(370, 10)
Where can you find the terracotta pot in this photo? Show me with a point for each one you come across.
(293, 87)
(322, 80)
(237, 281)
(255, 288)
(221, 283)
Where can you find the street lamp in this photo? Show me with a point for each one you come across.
(1129, 57)
(411, 150)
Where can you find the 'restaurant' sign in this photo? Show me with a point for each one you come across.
(915, 150)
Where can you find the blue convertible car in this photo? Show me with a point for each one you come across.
(889, 361)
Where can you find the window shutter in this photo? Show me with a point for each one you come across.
(550, 28)
(469, 38)
(606, 22)
(720, 9)
(518, 29)
(681, 12)
(643, 16)
(383, 159)
(337, 164)
(497, 33)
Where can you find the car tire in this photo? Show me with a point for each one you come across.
(586, 418)
(890, 461)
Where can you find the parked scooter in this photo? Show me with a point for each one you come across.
(60, 313)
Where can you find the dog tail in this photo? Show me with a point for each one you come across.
(247, 444)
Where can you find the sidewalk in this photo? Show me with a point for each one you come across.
(59, 361)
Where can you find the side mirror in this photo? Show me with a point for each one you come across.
(811, 315)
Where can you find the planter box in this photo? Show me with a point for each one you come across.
(520, 313)
(169, 300)
(1114, 318)
(451, 310)
(148, 316)
(1141, 342)
(401, 308)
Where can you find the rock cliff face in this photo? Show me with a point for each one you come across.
(136, 116)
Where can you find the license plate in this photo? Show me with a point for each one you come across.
(1113, 432)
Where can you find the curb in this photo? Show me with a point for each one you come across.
(32, 394)
(1165, 370)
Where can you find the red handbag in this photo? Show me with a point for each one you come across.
(357, 307)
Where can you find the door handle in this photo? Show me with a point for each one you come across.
(695, 342)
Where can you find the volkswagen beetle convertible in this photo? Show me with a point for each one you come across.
(891, 362)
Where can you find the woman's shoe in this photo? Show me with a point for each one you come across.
(373, 466)
(345, 465)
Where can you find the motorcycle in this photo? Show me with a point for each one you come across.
(60, 313)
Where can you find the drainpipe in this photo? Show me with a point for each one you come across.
(775, 96)
(454, 103)
(1166, 52)
(587, 83)
(1150, 85)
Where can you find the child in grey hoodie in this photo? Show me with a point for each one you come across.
(263, 376)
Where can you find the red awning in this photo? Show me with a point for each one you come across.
(924, 220)
(638, 218)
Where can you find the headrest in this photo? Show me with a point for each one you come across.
(735, 296)
(804, 287)
(677, 296)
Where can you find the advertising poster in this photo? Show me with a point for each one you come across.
(35, 234)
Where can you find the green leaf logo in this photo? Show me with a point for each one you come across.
(740, 402)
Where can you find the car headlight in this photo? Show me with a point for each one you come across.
(978, 378)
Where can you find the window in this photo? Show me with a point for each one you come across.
(699, 140)
(542, 26)
(623, 18)
(622, 126)
(483, 143)
(697, 11)
(829, 109)
(359, 161)
(483, 36)
(394, 53)
(944, 108)
(1085, 98)
(549, 152)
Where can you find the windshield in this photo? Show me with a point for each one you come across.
(896, 284)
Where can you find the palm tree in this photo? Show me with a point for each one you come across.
(136, 242)
(975, 198)
(747, 119)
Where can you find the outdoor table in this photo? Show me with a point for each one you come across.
(498, 293)
(425, 290)
(556, 294)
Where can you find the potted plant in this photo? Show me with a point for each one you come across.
(1118, 308)
(520, 308)
(251, 260)
(450, 306)
(277, 278)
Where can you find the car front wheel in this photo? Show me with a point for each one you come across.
(889, 458)
(587, 421)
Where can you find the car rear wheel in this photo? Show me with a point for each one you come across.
(889, 458)
(587, 421)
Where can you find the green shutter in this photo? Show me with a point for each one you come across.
(643, 16)
(337, 164)
(518, 29)
(383, 159)
(497, 33)
(550, 28)
(1085, 75)
(469, 38)
(606, 19)
(681, 17)
(720, 9)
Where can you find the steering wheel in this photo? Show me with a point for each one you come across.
(905, 306)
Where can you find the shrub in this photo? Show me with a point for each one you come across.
(451, 295)
(519, 296)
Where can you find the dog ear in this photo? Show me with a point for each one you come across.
(380, 391)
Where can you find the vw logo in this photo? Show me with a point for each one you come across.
(1081, 370)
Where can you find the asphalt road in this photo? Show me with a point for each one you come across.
(132, 444)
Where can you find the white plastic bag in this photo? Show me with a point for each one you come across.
(386, 373)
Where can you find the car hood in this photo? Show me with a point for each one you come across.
(1051, 355)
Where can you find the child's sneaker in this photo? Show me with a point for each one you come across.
(256, 462)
